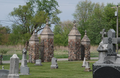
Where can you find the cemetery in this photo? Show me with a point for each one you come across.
(78, 64)
(87, 47)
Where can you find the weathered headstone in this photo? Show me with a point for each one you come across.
(14, 67)
(87, 66)
(108, 65)
(47, 38)
(84, 62)
(4, 73)
(54, 63)
(85, 47)
(38, 62)
(74, 44)
(33, 48)
(2, 67)
(24, 69)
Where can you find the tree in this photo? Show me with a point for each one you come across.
(32, 16)
(4, 34)
(93, 17)
(84, 10)
(61, 32)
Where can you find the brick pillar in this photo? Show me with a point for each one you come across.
(47, 42)
(33, 48)
(74, 44)
(86, 46)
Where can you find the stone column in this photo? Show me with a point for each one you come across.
(33, 48)
(86, 46)
(47, 41)
(74, 44)
(14, 67)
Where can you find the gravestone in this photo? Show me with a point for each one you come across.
(108, 65)
(14, 67)
(47, 39)
(84, 62)
(4, 73)
(87, 66)
(54, 63)
(74, 44)
(38, 62)
(24, 69)
(2, 67)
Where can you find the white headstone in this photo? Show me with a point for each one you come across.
(38, 62)
(87, 67)
(2, 67)
(54, 63)
(24, 69)
(84, 62)
(14, 67)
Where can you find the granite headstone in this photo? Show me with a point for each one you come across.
(24, 69)
(54, 63)
(4, 73)
(14, 67)
(108, 65)
(38, 62)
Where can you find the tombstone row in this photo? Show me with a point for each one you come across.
(78, 49)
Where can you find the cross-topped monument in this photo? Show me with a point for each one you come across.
(47, 21)
(111, 41)
(74, 23)
(103, 33)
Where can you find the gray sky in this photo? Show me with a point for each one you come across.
(66, 6)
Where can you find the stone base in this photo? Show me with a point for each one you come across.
(24, 70)
(87, 69)
(54, 66)
(38, 64)
(13, 76)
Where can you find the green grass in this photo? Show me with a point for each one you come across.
(57, 54)
(65, 69)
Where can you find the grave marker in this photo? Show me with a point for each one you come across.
(54, 63)
(24, 69)
(108, 65)
(14, 67)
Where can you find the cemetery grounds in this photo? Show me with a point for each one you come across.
(66, 69)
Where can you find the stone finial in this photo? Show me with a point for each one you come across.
(74, 30)
(103, 33)
(34, 37)
(47, 21)
(74, 23)
(47, 30)
(85, 32)
(85, 38)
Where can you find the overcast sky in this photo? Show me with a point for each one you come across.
(66, 6)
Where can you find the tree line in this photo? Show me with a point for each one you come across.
(90, 16)
(31, 17)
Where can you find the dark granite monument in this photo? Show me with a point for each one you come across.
(108, 65)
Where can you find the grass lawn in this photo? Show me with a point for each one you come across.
(57, 54)
(66, 69)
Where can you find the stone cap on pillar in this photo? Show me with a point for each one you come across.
(85, 38)
(47, 30)
(74, 31)
(34, 37)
